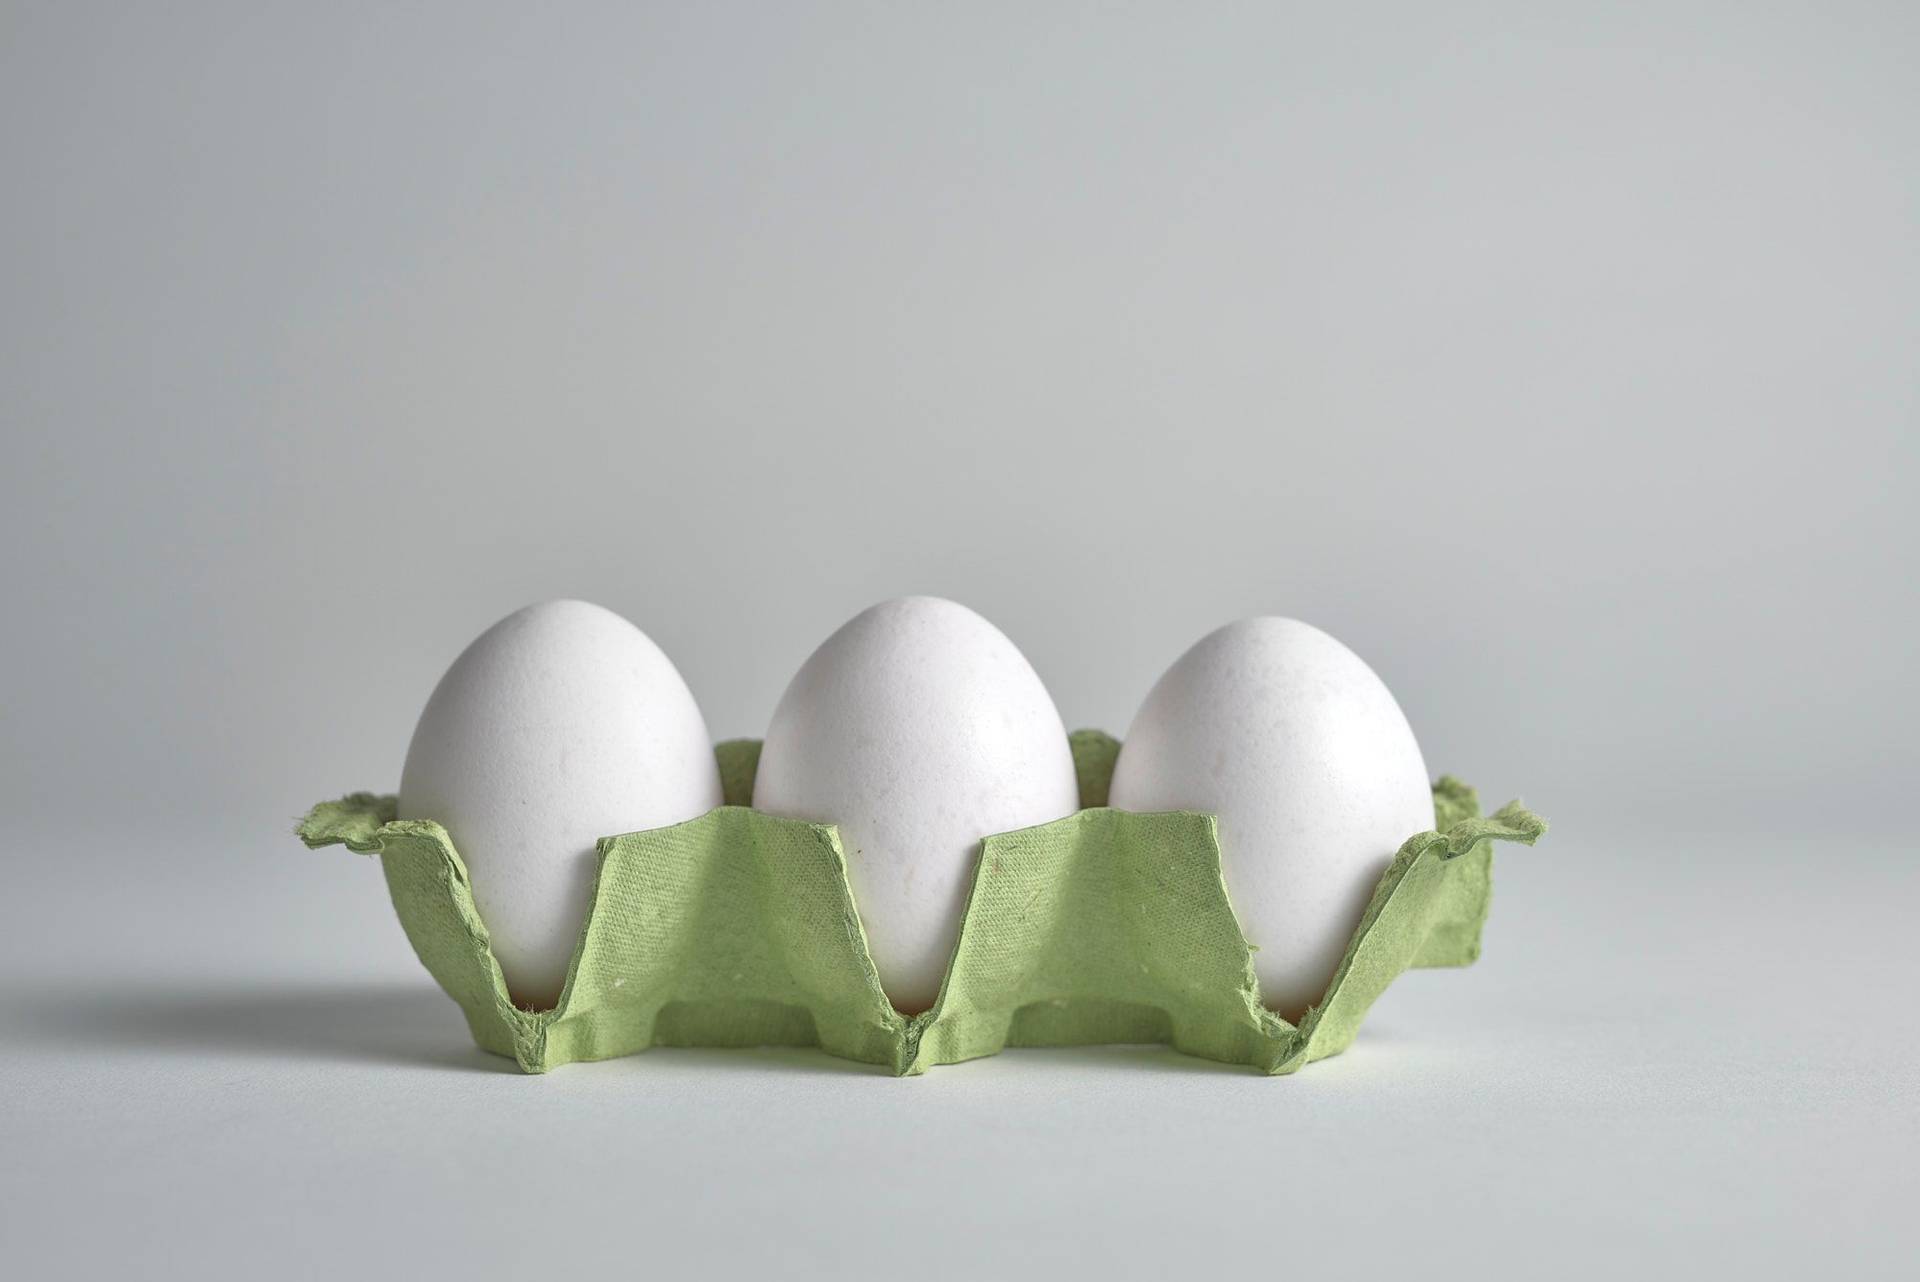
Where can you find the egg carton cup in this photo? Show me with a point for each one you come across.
(739, 929)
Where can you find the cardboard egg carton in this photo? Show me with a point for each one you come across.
(739, 929)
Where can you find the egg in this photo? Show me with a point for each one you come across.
(563, 723)
(1301, 752)
(918, 729)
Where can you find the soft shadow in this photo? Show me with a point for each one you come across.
(756, 1059)
(1144, 1057)
(337, 1023)
(1121, 1057)
(416, 1024)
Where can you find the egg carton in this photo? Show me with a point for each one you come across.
(739, 929)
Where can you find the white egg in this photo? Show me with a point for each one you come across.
(563, 723)
(917, 729)
(1299, 749)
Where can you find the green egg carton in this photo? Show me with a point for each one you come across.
(739, 929)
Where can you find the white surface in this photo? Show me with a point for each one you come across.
(918, 729)
(560, 724)
(1677, 1054)
(1299, 748)
(1559, 359)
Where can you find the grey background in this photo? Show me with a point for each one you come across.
(1561, 360)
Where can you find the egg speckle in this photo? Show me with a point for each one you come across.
(561, 724)
(917, 729)
(1313, 772)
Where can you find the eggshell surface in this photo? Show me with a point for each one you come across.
(918, 729)
(563, 723)
(1313, 772)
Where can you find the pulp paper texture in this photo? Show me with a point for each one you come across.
(738, 929)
